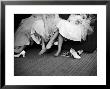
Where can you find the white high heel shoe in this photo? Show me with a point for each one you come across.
(22, 53)
(74, 54)
(80, 52)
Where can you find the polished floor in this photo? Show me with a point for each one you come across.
(48, 65)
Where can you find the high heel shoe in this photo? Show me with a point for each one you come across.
(22, 53)
(80, 52)
(74, 54)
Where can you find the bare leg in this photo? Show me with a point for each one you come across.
(43, 48)
(52, 40)
(60, 42)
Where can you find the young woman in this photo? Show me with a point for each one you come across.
(39, 28)
(26, 33)
(75, 28)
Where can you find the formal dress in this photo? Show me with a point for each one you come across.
(75, 28)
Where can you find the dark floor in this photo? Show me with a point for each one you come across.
(48, 65)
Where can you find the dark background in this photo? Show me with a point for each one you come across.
(18, 18)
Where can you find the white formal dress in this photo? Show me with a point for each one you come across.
(75, 28)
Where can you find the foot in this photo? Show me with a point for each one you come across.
(42, 51)
(16, 55)
(56, 54)
(22, 53)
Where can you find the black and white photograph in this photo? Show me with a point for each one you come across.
(55, 44)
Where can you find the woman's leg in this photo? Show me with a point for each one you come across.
(52, 40)
(43, 47)
(60, 42)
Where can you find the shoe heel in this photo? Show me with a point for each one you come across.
(23, 53)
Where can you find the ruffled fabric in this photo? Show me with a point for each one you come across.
(83, 22)
(50, 25)
(77, 27)
(22, 35)
(41, 25)
(69, 30)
